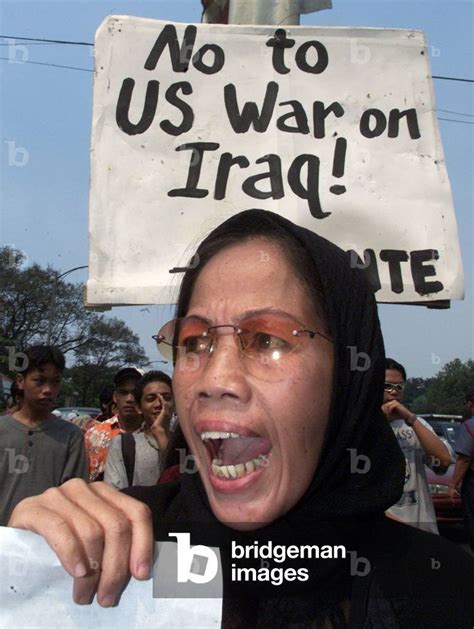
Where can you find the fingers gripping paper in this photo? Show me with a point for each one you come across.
(333, 128)
(36, 591)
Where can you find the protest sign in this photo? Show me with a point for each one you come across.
(333, 128)
(36, 591)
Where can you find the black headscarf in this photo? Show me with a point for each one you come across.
(361, 468)
(357, 426)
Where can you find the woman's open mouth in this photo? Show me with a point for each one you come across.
(233, 456)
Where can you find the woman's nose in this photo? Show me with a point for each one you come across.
(224, 374)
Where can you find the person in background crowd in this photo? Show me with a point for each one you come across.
(420, 446)
(106, 400)
(464, 468)
(127, 419)
(137, 458)
(38, 450)
(14, 399)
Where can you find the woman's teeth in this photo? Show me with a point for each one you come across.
(231, 472)
(218, 435)
(234, 456)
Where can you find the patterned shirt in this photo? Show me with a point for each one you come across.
(97, 440)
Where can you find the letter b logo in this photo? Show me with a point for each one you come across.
(197, 564)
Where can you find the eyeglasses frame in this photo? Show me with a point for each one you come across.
(237, 332)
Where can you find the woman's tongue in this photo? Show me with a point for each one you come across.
(243, 449)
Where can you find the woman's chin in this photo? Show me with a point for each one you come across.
(242, 516)
(243, 503)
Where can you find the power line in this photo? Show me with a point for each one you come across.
(452, 78)
(52, 65)
(457, 113)
(460, 121)
(48, 41)
(39, 43)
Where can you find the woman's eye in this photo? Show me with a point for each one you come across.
(196, 344)
(263, 342)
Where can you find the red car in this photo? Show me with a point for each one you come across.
(447, 511)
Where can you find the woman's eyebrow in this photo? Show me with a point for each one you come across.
(198, 317)
(246, 315)
(260, 311)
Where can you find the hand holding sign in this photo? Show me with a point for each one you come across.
(100, 535)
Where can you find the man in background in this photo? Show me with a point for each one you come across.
(37, 449)
(420, 446)
(127, 419)
(464, 468)
(137, 458)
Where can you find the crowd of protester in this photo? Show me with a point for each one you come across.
(125, 445)
(128, 443)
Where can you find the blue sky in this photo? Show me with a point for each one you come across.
(46, 116)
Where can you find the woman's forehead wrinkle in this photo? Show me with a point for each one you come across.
(252, 275)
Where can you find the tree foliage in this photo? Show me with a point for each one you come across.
(446, 392)
(26, 306)
(111, 345)
(415, 393)
(35, 301)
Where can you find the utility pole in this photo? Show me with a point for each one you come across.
(283, 12)
(53, 299)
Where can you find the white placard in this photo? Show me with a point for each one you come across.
(333, 128)
(36, 591)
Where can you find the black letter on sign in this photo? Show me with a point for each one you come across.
(273, 174)
(123, 107)
(279, 43)
(219, 59)
(226, 162)
(394, 257)
(323, 58)
(197, 151)
(298, 114)
(185, 109)
(320, 113)
(412, 123)
(380, 123)
(180, 57)
(250, 114)
(311, 192)
(419, 271)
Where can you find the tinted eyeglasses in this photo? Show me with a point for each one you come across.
(394, 386)
(266, 342)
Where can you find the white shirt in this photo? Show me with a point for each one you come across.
(415, 506)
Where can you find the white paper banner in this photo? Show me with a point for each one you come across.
(36, 591)
(333, 128)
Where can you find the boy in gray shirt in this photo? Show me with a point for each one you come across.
(37, 449)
